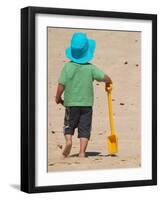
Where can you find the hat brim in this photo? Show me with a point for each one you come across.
(87, 57)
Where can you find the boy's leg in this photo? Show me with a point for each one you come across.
(84, 128)
(70, 123)
(68, 145)
(83, 146)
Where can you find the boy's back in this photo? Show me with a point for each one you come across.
(78, 81)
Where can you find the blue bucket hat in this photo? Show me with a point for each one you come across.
(82, 48)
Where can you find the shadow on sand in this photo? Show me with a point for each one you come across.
(93, 154)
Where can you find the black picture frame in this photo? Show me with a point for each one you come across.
(28, 98)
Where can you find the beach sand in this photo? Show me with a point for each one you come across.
(118, 55)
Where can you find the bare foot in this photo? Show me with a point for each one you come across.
(83, 146)
(67, 150)
(62, 157)
(82, 155)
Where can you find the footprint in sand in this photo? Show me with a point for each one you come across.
(65, 163)
(98, 159)
(60, 146)
(69, 163)
(51, 164)
(77, 162)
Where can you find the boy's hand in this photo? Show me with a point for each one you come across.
(60, 90)
(59, 100)
(108, 83)
(62, 102)
(108, 87)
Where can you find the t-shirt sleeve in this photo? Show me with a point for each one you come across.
(62, 77)
(97, 74)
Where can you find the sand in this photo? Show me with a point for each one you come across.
(118, 55)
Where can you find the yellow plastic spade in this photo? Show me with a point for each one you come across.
(112, 140)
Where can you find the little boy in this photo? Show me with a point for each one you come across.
(76, 81)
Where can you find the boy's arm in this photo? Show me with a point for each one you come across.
(60, 90)
(99, 75)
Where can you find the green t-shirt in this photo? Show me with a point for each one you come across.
(78, 81)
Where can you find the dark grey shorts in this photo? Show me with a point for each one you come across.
(78, 117)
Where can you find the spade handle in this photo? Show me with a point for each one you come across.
(109, 97)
